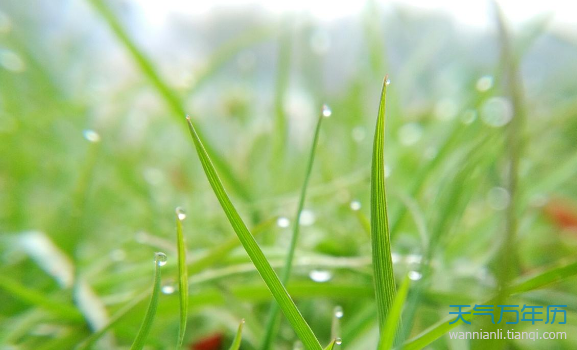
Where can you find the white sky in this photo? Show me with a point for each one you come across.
(469, 12)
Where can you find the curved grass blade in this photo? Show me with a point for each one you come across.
(159, 260)
(273, 320)
(238, 338)
(264, 268)
(380, 237)
(182, 277)
(394, 319)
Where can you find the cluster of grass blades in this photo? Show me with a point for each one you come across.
(382, 261)
(389, 302)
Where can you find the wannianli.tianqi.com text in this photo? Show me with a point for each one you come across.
(509, 334)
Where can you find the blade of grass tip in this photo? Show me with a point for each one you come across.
(182, 276)
(387, 338)
(298, 323)
(171, 99)
(384, 279)
(237, 339)
(332, 345)
(273, 321)
(159, 260)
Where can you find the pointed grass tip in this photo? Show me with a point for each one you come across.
(387, 81)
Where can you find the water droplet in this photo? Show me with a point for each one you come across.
(410, 133)
(359, 133)
(498, 198)
(338, 341)
(415, 276)
(395, 258)
(339, 312)
(326, 111)
(484, 83)
(307, 218)
(387, 81)
(168, 289)
(180, 213)
(355, 205)
(320, 276)
(497, 112)
(283, 222)
(11, 61)
(160, 258)
(91, 135)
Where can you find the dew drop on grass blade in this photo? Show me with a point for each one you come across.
(182, 276)
(159, 260)
(293, 315)
(380, 237)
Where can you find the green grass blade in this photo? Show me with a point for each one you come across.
(159, 260)
(387, 338)
(238, 338)
(384, 279)
(264, 268)
(331, 345)
(39, 299)
(182, 277)
(272, 323)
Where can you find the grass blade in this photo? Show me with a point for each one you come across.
(384, 279)
(264, 268)
(394, 318)
(39, 299)
(159, 260)
(182, 277)
(273, 322)
(237, 339)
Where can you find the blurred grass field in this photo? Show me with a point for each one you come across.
(480, 152)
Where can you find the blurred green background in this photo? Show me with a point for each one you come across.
(481, 155)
